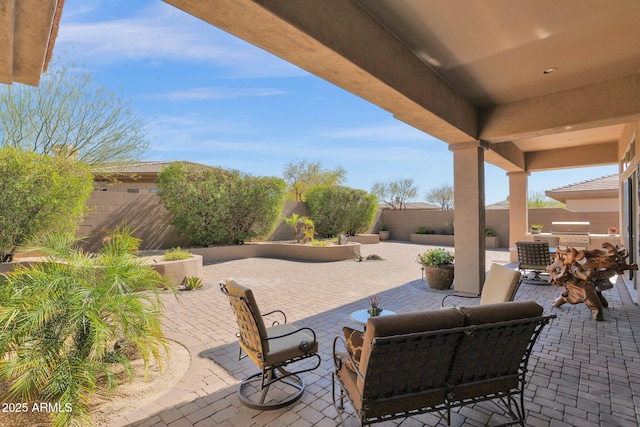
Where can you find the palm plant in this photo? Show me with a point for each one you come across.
(60, 318)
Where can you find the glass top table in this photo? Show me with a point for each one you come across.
(360, 317)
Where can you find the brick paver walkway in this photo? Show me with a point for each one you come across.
(583, 373)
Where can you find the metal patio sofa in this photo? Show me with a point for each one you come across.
(434, 361)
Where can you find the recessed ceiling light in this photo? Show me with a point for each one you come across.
(550, 70)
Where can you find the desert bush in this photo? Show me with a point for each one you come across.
(176, 254)
(39, 193)
(336, 210)
(61, 317)
(213, 206)
(192, 283)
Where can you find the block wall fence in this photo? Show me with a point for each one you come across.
(145, 213)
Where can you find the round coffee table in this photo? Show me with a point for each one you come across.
(360, 317)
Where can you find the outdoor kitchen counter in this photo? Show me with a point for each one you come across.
(595, 240)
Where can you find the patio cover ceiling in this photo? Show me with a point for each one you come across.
(467, 70)
(28, 29)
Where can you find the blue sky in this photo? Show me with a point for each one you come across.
(209, 97)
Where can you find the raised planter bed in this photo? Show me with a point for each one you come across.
(447, 240)
(365, 239)
(176, 271)
(281, 250)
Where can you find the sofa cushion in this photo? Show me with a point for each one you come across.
(500, 312)
(407, 323)
(354, 340)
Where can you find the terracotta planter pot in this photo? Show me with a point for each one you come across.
(384, 234)
(440, 277)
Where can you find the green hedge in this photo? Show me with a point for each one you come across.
(335, 210)
(213, 206)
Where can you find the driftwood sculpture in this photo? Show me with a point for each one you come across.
(585, 274)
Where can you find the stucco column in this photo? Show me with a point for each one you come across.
(469, 216)
(518, 210)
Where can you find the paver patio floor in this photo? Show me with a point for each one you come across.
(582, 373)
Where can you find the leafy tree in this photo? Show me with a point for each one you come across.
(539, 200)
(395, 194)
(336, 210)
(305, 174)
(442, 196)
(214, 206)
(39, 193)
(68, 114)
(61, 317)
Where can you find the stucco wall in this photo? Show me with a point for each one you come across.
(146, 213)
(403, 223)
(594, 205)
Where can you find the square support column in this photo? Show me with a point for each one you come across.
(469, 216)
(518, 210)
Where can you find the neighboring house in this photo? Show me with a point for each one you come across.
(137, 177)
(410, 205)
(594, 195)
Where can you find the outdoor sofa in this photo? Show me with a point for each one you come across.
(433, 361)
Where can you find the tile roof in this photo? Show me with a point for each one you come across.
(609, 182)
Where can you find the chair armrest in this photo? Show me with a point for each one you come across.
(275, 322)
(442, 304)
(337, 360)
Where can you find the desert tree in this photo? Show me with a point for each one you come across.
(302, 175)
(538, 199)
(442, 196)
(69, 114)
(395, 194)
(39, 193)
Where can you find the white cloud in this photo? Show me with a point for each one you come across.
(216, 93)
(162, 32)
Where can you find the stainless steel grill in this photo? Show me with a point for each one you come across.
(574, 234)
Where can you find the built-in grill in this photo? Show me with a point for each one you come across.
(574, 234)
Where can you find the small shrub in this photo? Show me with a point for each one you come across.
(176, 254)
(192, 283)
(488, 232)
(448, 229)
(424, 230)
(435, 257)
(384, 227)
(319, 243)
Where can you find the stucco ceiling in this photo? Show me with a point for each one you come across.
(467, 70)
(28, 29)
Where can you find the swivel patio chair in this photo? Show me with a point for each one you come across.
(271, 348)
(533, 256)
(500, 285)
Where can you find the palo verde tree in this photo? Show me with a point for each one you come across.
(213, 206)
(39, 193)
(442, 196)
(305, 174)
(68, 114)
(395, 194)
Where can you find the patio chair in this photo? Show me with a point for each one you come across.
(533, 256)
(271, 348)
(500, 285)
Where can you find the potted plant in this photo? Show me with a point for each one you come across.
(536, 228)
(374, 306)
(384, 232)
(438, 267)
